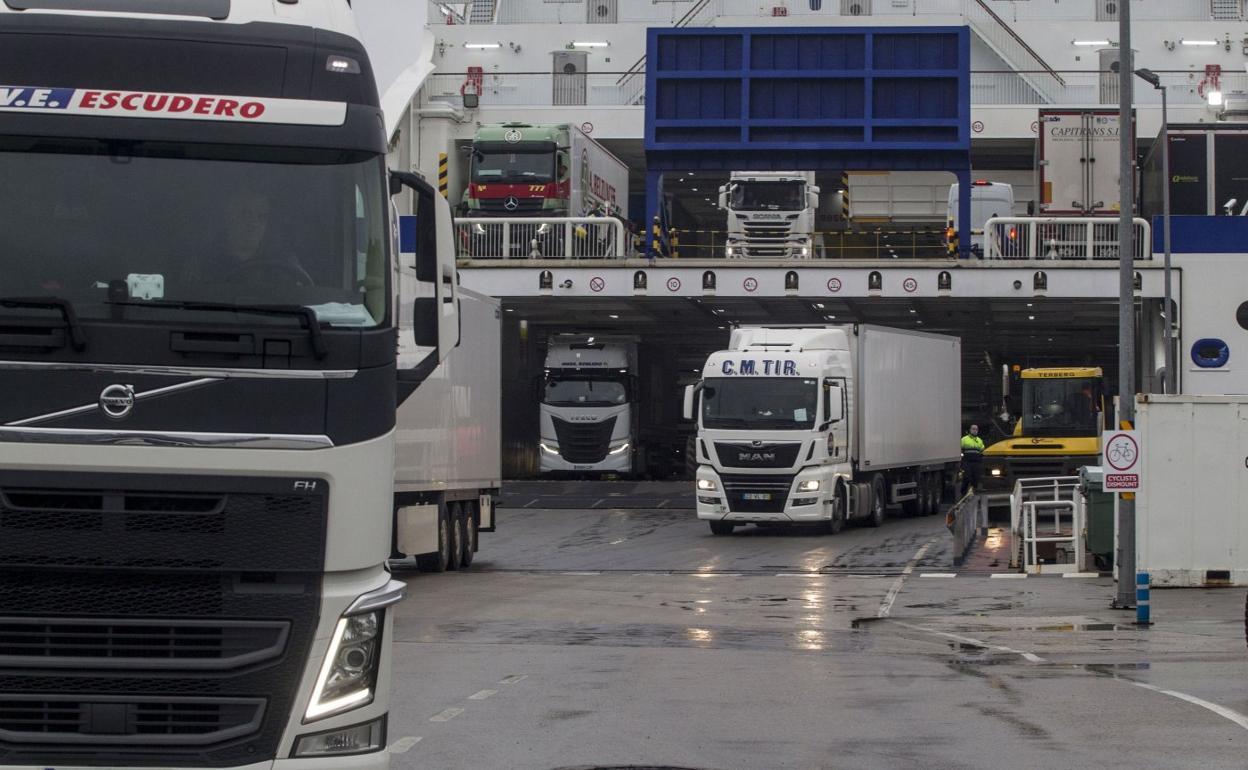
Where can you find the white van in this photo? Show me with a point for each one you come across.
(988, 200)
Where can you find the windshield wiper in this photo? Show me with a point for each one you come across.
(307, 314)
(77, 338)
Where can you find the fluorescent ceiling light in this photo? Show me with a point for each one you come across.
(1198, 42)
(1091, 42)
(1215, 98)
(590, 44)
(483, 45)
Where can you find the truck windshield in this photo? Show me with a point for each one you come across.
(519, 164)
(1061, 407)
(761, 403)
(94, 222)
(768, 196)
(584, 391)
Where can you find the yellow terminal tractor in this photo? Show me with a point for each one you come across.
(1059, 430)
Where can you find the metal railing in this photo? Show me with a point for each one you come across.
(541, 238)
(1083, 88)
(1064, 238)
(1007, 43)
(1067, 530)
(1047, 489)
(632, 11)
(965, 520)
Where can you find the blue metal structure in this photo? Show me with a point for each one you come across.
(809, 98)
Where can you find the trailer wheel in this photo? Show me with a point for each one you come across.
(470, 536)
(440, 560)
(878, 501)
(457, 536)
(722, 527)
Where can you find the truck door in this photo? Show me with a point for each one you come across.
(836, 415)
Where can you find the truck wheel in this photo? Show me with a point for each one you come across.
(457, 536)
(878, 502)
(838, 512)
(440, 560)
(722, 527)
(470, 536)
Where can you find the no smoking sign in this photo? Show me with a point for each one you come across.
(1120, 459)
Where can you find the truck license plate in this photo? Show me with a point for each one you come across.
(756, 496)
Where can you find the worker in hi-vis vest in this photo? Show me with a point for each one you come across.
(972, 458)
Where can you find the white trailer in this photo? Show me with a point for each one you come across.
(448, 452)
(820, 425)
(1077, 162)
(588, 410)
(771, 214)
(1193, 502)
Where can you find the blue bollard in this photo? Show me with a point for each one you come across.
(1142, 602)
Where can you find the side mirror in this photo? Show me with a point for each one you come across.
(723, 197)
(691, 399)
(812, 197)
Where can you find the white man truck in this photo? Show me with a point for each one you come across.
(823, 425)
(588, 412)
(771, 214)
(204, 400)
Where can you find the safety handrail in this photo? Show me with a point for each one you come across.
(1032, 537)
(540, 237)
(1030, 51)
(1048, 488)
(1062, 238)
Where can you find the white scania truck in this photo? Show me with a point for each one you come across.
(822, 425)
(771, 214)
(215, 338)
(588, 411)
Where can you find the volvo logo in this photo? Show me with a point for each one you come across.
(116, 401)
(511, 204)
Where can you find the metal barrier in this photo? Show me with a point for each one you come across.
(1052, 489)
(546, 238)
(1033, 537)
(965, 520)
(1063, 238)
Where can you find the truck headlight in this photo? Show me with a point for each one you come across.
(345, 741)
(547, 449)
(995, 472)
(804, 251)
(619, 449)
(730, 251)
(707, 485)
(348, 676)
(809, 486)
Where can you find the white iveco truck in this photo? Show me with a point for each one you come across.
(824, 425)
(588, 412)
(771, 214)
(202, 291)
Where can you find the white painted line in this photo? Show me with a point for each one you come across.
(1221, 711)
(895, 589)
(513, 679)
(482, 695)
(617, 542)
(938, 574)
(799, 574)
(403, 745)
(598, 503)
(579, 574)
(1027, 656)
(446, 716)
(716, 574)
(1081, 574)
(1008, 575)
(531, 502)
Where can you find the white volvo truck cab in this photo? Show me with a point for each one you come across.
(822, 425)
(588, 411)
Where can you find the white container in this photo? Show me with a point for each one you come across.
(1192, 510)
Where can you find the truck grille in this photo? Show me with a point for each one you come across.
(76, 721)
(739, 488)
(143, 528)
(136, 644)
(747, 455)
(584, 442)
(768, 231)
(498, 206)
(154, 620)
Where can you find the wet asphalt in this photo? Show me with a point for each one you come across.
(612, 638)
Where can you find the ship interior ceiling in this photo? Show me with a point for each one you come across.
(994, 332)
